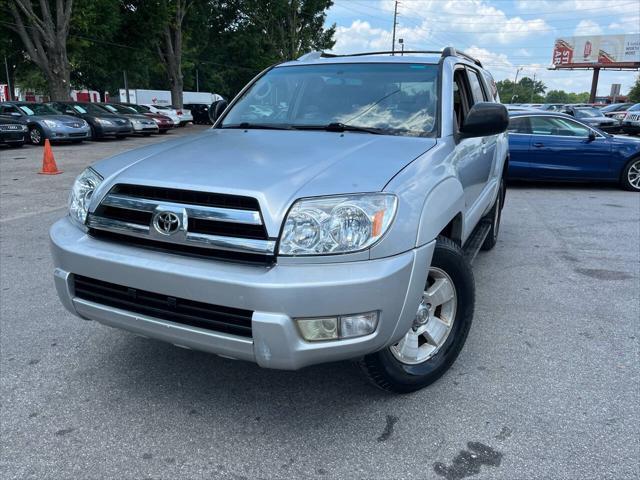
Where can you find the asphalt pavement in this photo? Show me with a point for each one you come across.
(547, 386)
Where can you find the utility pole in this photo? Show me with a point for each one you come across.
(515, 84)
(395, 23)
(126, 86)
(197, 81)
(401, 42)
(6, 69)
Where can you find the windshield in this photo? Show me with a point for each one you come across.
(37, 109)
(588, 112)
(635, 108)
(396, 99)
(119, 109)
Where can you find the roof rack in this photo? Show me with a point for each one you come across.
(446, 52)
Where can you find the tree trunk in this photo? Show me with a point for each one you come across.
(170, 51)
(45, 40)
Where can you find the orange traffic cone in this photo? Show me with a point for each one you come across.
(49, 166)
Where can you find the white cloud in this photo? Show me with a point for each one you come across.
(587, 27)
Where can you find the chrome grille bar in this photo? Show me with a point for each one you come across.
(217, 242)
(217, 214)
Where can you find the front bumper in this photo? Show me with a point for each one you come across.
(628, 127)
(11, 137)
(276, 295)
(145, 128)
(68, 133)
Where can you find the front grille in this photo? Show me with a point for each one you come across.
(221, 226)
(77, 134)
(234, 321)
(186, 196)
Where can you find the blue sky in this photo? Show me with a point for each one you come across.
(505, 35)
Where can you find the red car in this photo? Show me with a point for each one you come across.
(164, 123)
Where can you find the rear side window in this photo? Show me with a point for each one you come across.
(519, 125)
(476, 86)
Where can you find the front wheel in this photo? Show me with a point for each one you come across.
(631, 175)
(439, 331)
(36, 135)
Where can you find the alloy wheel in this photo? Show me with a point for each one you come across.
(35, 136)
(633, 175)
(433, 323)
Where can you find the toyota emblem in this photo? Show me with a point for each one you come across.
(166, 223)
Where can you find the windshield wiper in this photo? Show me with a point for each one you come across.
(341, 127)
(258, 126)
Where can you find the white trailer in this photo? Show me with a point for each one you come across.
(163, 97)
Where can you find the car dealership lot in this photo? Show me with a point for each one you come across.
(546, 386)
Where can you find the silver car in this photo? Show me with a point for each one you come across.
(141, 123)
(46, 123)
(331, 213)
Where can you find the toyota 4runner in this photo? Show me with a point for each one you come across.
(331, 213)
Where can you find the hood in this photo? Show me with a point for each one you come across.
(57, 118)
(276, 167)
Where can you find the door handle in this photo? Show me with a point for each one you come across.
(538, 144)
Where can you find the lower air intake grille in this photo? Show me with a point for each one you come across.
(234, 321)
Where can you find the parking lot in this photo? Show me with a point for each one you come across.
(546, 387)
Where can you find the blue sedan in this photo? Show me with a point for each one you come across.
(554, 146)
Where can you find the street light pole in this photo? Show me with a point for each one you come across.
(126, 87)
(395, 22)
(533, 87)
(197, 81)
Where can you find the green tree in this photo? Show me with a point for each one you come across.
(557, 96)
(44, 31)
(634, 93)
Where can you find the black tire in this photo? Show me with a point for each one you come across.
(628, 175)
(494, 216)
(36, 135)
(94, 134)
(385, 371)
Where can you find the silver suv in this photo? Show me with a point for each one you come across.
(331, 213)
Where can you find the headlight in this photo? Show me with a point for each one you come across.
(51, 123)
(338, 224)
(81, 193)
(102, 121)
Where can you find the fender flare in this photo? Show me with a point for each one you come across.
(443, 204)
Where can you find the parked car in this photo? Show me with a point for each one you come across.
(615, 110)
(141, 124)
(164, 123)
(166, 111)
(553, 146)
(184, 115)
(517, 108)
(552, 107)
(631, 120)
(12, 132)
(45, 122)
(296, 236)
(200, 113)
(102, 123)
(594, 117)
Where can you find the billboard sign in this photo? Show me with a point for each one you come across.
(597, 51)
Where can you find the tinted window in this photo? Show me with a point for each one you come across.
(37, 109)
(396, 98)
(635, 108)
(476, 87)
(557, 126)
(519, 125)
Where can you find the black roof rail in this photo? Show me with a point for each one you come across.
(447, 52)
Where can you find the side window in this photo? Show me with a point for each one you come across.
(519, 125)
(461, 98)
(557, 126)
(476, 86)
(493, 88)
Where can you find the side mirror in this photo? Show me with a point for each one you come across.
(216, 109)
(592, 135)
(485, 119)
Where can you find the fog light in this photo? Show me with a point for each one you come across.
(332, 328)
(358, 325)
(314, 329)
